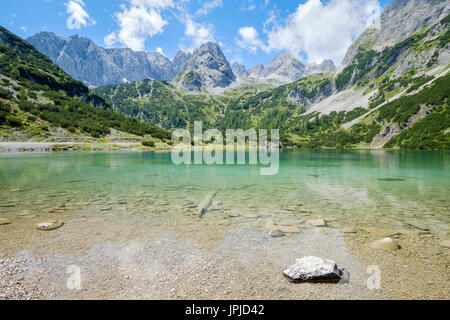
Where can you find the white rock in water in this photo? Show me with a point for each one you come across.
(313, 269)
(47, 226)
(387, 244)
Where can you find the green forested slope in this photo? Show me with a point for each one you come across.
(35, 93)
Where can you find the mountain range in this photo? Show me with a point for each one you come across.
(206, 67)
(391, 91)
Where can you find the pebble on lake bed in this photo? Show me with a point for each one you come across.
(318, 223)
(232, 214)
(313, 269)
(445, 244)
(387, 244)
(47, 226)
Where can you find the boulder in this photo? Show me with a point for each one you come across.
(387, 244)
(313, 269)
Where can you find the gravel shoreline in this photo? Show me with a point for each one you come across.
(14, 284)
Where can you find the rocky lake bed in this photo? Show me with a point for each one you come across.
(114, 226)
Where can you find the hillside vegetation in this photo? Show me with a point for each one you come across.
(35, 94)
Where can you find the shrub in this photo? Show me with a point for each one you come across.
(150, 144)
(13, 121)
(6, 94)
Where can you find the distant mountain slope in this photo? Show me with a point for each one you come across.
(39, 98)
(286, 68)
(96, 66)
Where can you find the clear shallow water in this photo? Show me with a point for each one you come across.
(356, 188)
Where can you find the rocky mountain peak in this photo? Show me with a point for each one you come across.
(239, 70)
(287, 68)
(207, 67)
(399, 20)
(81, 58)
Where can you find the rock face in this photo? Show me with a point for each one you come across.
(239, 70)
(85, 61)
(207, 67)
(287, 68)
(400, 19)
(313, 269)
(180, 60)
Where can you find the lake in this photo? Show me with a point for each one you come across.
(113, 199)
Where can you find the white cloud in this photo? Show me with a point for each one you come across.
(250, 39)
(200, 33)
(160, 51)
(78, 17)
(321, 31)
(23, 28)
(141, 20)
(208, 7)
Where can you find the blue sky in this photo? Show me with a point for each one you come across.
(249, 31)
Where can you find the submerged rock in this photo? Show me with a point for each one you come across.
(4, 221)
(445, 244)
(387, 244)
(313, 269)
(288, 229)
(318, 223)
(205, 204)
(276, 230)
(276, 233)
(348, 231)
(47, 226)
(232, 214)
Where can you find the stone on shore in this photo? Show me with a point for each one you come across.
(387, 244)
(313, 269)
(320, 223)
(4, 221)
(445, 244)
(47, 226)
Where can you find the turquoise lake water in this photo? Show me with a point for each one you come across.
(356, 188)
